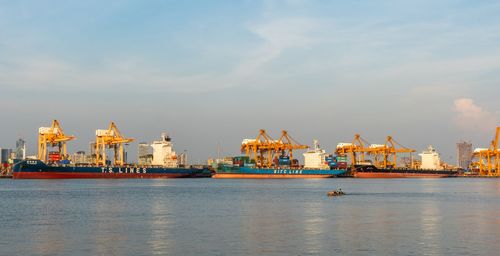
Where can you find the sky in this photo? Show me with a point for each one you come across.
(211, 73)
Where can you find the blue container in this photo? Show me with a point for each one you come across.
(284, 160)
(65, 161)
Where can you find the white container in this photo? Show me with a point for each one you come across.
(47, 130)
(376, 146)
(248, 141)
(343, 144)
(477, 150)
(101, 132)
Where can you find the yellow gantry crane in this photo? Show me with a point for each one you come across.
(488, 159)
(391, 150)
(286, 145)
(52, 136)
(356, 149)
(263, 149)
(112, 139)
(381, 155)
(259, 149)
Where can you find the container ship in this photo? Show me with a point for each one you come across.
(36, 169)
(162, 163)
(263, 165)
(430, 168)
(248, 171)
(370, 171)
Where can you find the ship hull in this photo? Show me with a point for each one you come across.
(270, 173)
(373, 172)
(35, 169)
(79, 175)
(375, 175)
(268, 176)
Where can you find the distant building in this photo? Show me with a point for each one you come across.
(464, 154)
(81, 158)
(225, 160)
(20, 149)
(144, 153)
(5, 154)
(182, 159)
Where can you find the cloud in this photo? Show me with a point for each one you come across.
(469, 116)
(277, 35)
(368, 52)
(286, 33)
(51, 72)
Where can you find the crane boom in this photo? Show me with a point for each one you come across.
(113, 139)
(52, 136)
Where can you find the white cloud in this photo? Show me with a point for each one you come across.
(278, 35)
(469, 116)
(45, 72)
(286, 33)
(367, 52)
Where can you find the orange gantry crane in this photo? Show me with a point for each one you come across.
(380, 155)
(355, 150)
(286, 145)
(52, 136)
(259, 149)
(391, 152)
(263, 149)
(112, 139)
(488, 159)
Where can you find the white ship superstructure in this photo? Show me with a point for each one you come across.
(315, 158)
(163, 152)
(430, 159)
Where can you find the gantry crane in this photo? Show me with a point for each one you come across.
(259, 149)
(356, 149)
(52, 136)
(263, 148)
(488, 159)
(286, 145)
(391, 150)
(383, 155)
(379, 154)
(112, 139)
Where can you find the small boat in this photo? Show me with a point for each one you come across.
(338, 192)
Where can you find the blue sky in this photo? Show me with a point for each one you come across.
(214, 72)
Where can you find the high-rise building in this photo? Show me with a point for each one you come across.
(182, 159)
(5, 155)
(464, 154)
(20, 149)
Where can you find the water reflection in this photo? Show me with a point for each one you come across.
(430, 224)
(314, 226)
(159, 226)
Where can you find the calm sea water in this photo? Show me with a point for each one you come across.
(250, 217)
